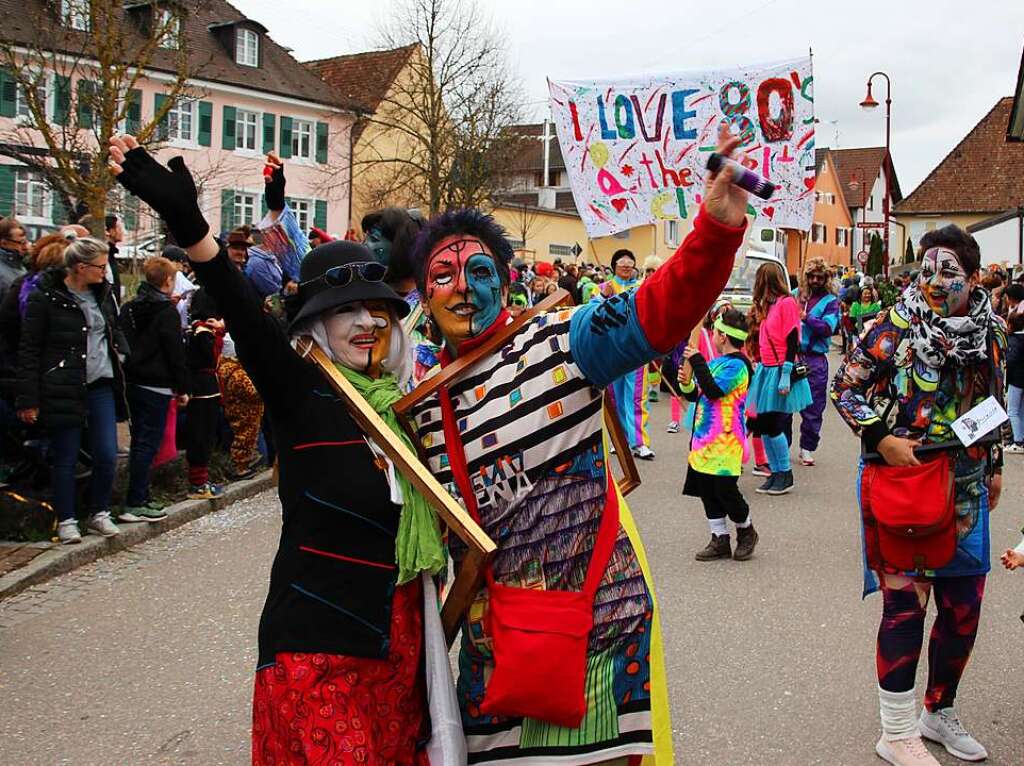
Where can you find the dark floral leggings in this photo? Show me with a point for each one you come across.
(901, 633)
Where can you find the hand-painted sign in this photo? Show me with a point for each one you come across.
(636, 149)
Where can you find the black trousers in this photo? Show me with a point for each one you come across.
(201, 419)
(770, 423)
(720, 495)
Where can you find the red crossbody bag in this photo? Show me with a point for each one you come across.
(539, 638)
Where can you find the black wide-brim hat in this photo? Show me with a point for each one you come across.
(317, 295)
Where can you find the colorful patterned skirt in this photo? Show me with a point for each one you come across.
(335, 710)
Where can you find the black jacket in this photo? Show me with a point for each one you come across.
(153, 328)
(1015, 360)
(334, 574)
(51, 354)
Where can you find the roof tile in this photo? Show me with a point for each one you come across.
(363, 78)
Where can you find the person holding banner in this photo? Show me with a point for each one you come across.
(341, 638)
(914, 376)
(561, 659)
(630, 391)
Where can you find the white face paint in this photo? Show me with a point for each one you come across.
(359, 335)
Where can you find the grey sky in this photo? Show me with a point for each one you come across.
(949, 61)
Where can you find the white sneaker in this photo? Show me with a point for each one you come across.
(944, 727)
(67, 532)
(100, 524)
(673, 428)
(905, 752)
(1014, 449)
(806, 457)
(643, 452)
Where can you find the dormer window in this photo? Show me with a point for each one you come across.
(247, 47)
(169, 24)
(75, 14)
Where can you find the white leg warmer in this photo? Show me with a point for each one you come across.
(899, 714)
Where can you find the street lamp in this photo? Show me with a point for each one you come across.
(870, 103)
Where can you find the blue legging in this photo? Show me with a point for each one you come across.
(101, 422)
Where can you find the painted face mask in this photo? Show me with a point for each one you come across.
(379, 245)
(360, 335)
(464, 291)
(944, 282)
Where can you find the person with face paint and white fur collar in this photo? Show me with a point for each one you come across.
(521, 437)
(344, 618)
(902, 387)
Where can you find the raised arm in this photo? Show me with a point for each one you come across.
(293, 248)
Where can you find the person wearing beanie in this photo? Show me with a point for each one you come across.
(344, 618)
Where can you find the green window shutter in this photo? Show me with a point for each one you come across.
(86, 101)
(227, 209)
(130, 212)
(321, 142)
(269, 132)
(61, 99)
(263, 205)
(133, 113)
(285, 150)
(59, 213)
(163, 129)
(8, 94)
(229, 128)
(205, 123)
(320, 214)
(7, 174)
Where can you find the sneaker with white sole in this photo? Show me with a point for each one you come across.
(944, 726)
(905, 752)
(100, 524)
(673, 428)
(1014, 449)
(643, 452)
(762, 469)
(67, 532)
(130, 515)
(806, 457)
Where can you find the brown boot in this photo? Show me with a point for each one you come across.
(717, 548)
(746, 541)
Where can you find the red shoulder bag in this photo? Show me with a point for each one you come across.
(539, 637)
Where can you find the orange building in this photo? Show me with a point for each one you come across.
(832, 231)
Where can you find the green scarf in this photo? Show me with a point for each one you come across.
(418, 545)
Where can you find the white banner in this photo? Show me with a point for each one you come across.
(636, 149)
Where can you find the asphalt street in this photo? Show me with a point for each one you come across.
(147, 657)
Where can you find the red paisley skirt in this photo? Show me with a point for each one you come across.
(335, 710)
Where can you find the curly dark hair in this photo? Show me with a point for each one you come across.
(400, 227)
(957, 240)
(467, 221)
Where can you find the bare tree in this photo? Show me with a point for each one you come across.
(74, 73)
(527, 222)
(450, 108)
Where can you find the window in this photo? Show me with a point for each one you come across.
(303, 209)
(871, 202)
(517, 244)
(672, 233)
(170, 23)
(32, 197)
(245, 208)
(621, 235)
(75, 14)
(819, 233)
(825, 198)
(302, 139)
(246, 130)
(561, 251)
(247, 48)
(42, 93)
(843, 237)
(181, 122)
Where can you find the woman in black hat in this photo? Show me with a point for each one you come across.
(341, 636)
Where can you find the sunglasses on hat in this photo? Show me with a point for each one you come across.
(339, 276)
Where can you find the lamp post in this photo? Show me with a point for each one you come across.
(870, 103)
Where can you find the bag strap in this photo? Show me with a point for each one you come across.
(604, 544)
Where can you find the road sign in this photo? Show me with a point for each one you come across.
(871, 225)
(862, 257)
(576, 249)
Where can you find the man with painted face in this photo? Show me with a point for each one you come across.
(521, 437)
(630, 391)
(343, 620)
(937, 353)
(820, 314)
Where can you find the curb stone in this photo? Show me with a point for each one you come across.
(61, 559)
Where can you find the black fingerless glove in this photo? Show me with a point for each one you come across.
(170, 191)
(275, 190)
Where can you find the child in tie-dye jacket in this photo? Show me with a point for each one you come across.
(719, 392)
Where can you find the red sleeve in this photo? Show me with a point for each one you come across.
(676, 297)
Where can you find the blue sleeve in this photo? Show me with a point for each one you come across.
(606, 341)
(292, 258)
(262, 277)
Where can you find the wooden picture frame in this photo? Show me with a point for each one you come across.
(481, 548)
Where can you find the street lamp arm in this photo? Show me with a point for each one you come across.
(888, 83)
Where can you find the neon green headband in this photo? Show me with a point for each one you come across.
(732, 332)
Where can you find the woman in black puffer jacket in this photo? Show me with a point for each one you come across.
(70, 377)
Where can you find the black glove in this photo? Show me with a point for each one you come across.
(170, 191)
(275, 190)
